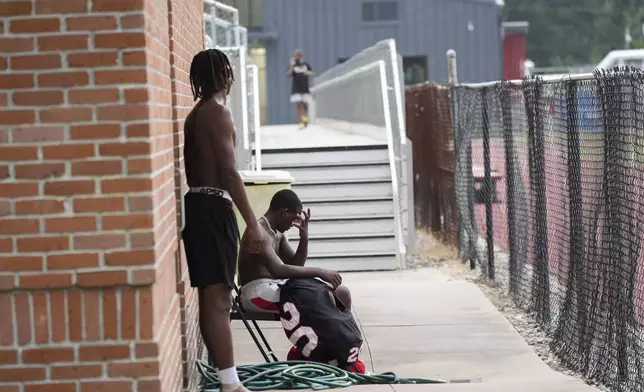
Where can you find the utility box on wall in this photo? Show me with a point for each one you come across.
(260, 188)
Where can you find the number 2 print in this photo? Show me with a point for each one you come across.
(292, 324)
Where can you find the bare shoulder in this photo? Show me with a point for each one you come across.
(213, 114)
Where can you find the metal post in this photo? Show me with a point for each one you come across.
(532, 96)
(452, 80)
(487, 186)
(514, 245)
(452, 77)
(576, 305)
(411, 207)
(256, 118)
(466, 249)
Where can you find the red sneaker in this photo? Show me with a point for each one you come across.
(357, 367)
(294, 355)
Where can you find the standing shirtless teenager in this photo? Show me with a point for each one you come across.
(211, 235)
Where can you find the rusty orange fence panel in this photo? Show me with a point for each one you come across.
(429, 127)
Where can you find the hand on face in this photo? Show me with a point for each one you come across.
(302, 222)
(296, 57)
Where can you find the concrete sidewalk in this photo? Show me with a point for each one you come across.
(423, 324)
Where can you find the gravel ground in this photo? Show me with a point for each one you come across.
(430, 253)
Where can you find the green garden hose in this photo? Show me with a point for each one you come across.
(293, 375)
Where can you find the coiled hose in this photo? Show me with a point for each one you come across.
(293, 375)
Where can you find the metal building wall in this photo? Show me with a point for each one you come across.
(327, 30)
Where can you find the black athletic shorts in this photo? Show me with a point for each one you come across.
(211, 240)
(322, 329)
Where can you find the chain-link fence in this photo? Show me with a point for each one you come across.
(364, 95)
(223, 32)
(549, 188)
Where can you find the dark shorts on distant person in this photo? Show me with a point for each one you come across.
(210, 237)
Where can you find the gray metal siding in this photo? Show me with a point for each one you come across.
(327, 30)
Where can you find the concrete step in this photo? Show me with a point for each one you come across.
(296, 158)
(353, 263)
(321, 174)
(349, 192)
(355, 225)
(350, 207)
(344, 245)
(343, 191)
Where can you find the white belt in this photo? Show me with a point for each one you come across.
(210, 191)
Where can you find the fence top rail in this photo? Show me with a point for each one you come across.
(424, 85)
(320, 86)
(544, 78)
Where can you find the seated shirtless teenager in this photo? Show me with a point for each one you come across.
(277, 267)
(260, 274)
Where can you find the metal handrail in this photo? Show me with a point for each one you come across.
(392, 160)
(391, 140)
(254, 69)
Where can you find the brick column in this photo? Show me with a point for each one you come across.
(186, 40)
(93, 293)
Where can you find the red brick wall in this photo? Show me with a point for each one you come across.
(92, 99)
(186, 39)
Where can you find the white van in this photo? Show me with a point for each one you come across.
(620, 58)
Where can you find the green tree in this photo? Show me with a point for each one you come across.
(570, 32)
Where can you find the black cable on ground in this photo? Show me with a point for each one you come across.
(291, 375)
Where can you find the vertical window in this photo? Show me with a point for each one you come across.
(256, 10)
(244, 11)
(368, 12)
(415, 69)
(376, 11)
(387, 10)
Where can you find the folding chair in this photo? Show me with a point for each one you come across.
(238, 313)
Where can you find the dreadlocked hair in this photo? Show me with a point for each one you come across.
(210, 73)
